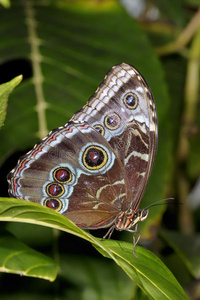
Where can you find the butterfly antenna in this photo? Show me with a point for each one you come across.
(160, 202)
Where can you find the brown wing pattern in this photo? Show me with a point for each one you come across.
(99, 163)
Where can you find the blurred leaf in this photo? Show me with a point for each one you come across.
(187, 247)
(175, 68)
(5, 90)
(30, 234)
(96, 277)
(177, 267)
(5, 3)
(17, 258)
(169, 9)
(148, 272)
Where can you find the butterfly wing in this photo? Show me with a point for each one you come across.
(98, 164)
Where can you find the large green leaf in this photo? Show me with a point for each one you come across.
(149, 273)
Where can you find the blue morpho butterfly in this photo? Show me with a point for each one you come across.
(94, 170)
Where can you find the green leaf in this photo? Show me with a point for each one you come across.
(17, 258)
(149, 273)
(186, 247)
(5, 90)
(97, 277)
(5, 3)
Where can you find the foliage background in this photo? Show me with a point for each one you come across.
(64, 49)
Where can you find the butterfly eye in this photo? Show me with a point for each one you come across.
(53, 203)
(54, 189)
(131, 100)
(94, 157)
(144, 214)
(100, 129)
(62, 175)
(112, 121)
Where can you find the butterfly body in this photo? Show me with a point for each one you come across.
(95, 169)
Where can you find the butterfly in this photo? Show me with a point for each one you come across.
(94, 170)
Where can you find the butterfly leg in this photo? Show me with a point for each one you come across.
(108, 233)
(135, 241)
